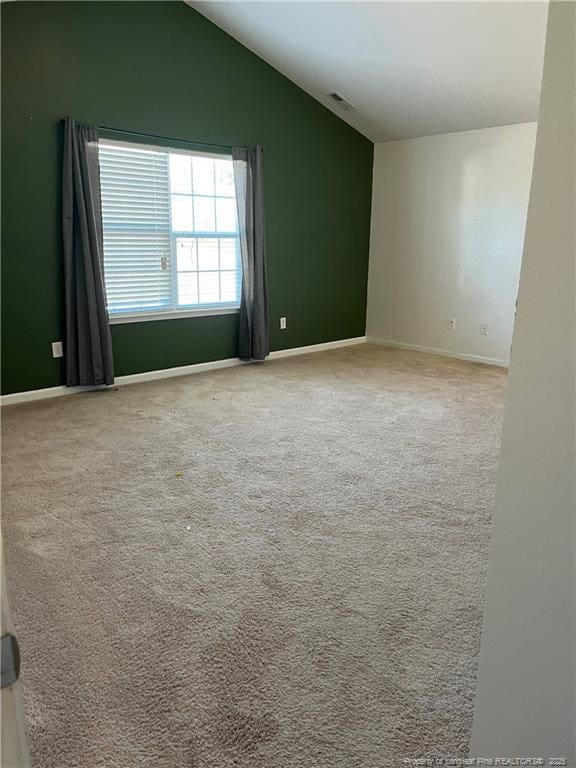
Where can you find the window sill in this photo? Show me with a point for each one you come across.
(143, 317)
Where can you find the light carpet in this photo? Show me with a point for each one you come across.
(271, 566)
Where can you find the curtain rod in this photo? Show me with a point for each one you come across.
(165, 138)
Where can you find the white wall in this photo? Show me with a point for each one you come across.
(448, 218)
(527, 678)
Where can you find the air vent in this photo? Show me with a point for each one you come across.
(341, 101)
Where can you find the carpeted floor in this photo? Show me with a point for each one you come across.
(272, 566)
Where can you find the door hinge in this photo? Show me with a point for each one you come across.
(10, 660)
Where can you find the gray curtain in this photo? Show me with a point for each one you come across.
(253, 343)
(88, 345)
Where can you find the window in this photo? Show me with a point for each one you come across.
(170, 231)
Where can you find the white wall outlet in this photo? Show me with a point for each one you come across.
(483, 329)
(452, 324)
(57, 349)
(282, 323)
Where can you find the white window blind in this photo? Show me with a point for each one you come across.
(170, 230)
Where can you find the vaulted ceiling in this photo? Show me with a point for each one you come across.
(408, 68)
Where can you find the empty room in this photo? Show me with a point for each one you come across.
(288, 384)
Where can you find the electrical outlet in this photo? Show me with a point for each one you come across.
(57, 349)
(483, 329)
(452, 324)
(282, 323)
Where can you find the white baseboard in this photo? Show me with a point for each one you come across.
(318, 347)
(168, 373)
(442, 352)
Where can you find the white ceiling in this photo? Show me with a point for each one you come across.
(409, 68)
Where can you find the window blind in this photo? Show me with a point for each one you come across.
(170, 230)
(135, 187)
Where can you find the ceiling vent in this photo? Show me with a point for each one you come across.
(341, 101)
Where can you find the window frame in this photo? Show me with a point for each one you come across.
(190, 310)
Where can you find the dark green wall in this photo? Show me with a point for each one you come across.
(161, 68)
